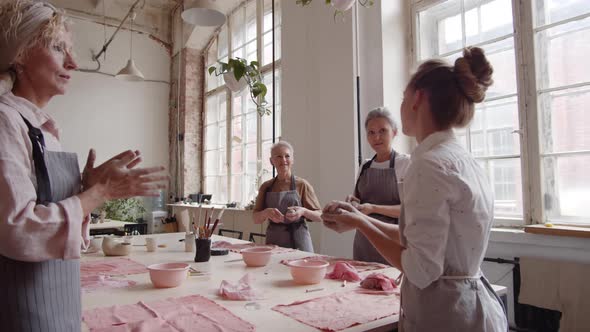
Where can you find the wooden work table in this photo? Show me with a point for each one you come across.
(274, 280)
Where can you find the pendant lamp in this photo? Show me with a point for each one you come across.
(130, 72)
(203, 13)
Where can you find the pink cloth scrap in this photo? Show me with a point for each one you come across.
(237, 247)
(379, 281)
(358, 265)
(111, 267)
(189, 313)
(242, 291)
(344, 271)
(97, 282)
(341, 310)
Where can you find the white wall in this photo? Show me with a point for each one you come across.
(318, 106)
(101, 112)
(319, 103)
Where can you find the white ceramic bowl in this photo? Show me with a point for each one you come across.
(256, 256)
(308, 272)
(166, 275)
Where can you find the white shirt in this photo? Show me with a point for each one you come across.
(447, 208)
(402, 162)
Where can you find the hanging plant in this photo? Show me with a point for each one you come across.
(237, 73)
(341, 6)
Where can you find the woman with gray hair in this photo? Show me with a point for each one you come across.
(45, 203)
(376, 192)
(286, 201)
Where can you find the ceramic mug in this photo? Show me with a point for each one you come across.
(151, 244)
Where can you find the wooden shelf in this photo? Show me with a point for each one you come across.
(559, 230)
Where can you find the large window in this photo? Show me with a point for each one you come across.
(532, 133)
(234, 174)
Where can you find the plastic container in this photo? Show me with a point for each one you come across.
(308, 272)
(166, 275)
(256, 256)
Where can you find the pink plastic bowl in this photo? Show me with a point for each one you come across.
(167, 275)
(256, 256)
(308, 272)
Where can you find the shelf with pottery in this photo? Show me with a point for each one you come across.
(233, 218)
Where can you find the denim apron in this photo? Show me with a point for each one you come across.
(288, 234)
(375, 186)
(44, 296)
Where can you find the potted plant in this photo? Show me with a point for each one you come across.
(128, 209)
(237, 73)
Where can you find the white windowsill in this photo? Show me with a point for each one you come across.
(511, 236)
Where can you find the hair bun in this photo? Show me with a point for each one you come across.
(473, 73)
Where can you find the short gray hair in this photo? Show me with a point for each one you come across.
(282, 144)
(381, 112)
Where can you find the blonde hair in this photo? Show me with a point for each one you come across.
(452, 91)
(12, 14)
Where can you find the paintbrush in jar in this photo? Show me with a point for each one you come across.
(214, 226)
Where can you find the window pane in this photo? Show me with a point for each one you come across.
(501, 56)
(267, 53)
(251, 160)
(211, 185)
(562, 54)
(251, 124)
(266, 174)
(237, 28)
(222, 134)
(267, 127)
(485, 20)
(239, 53)
(211, 110)
(250, 20)
(236, 188)
(221, 191)
(212, 53)
(237, 162)
(251, 51)
(440, 29)
(267, 13)
(222, 40)
(566, 120)
(237, 131)
(551, 11)
(211, 137)
(567, 188)
(212, 162)
(238, 100)
(493, 128)
(505, 176)
(222, 110)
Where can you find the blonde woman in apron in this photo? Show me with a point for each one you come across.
(44, 199)
(287, 202)
(376, 193)
(447, 206)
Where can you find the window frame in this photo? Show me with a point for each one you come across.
(264, 70)
(528, 95)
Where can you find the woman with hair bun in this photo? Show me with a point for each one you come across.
(447, 206)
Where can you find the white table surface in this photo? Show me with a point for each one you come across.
(115, 224)
(274, 280)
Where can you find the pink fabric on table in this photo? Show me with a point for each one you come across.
(93, 283)
(242, 291)
(341, 310)
(29, 231)
(237, 247)
(344, 271)
(358, 265)
(378, 281)
(189, 313)
(111, 267)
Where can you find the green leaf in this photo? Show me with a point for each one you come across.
(212, 70)
(239, 72)
(259, 90)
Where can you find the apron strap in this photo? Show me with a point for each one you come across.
(41, 172)
(367, 165)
